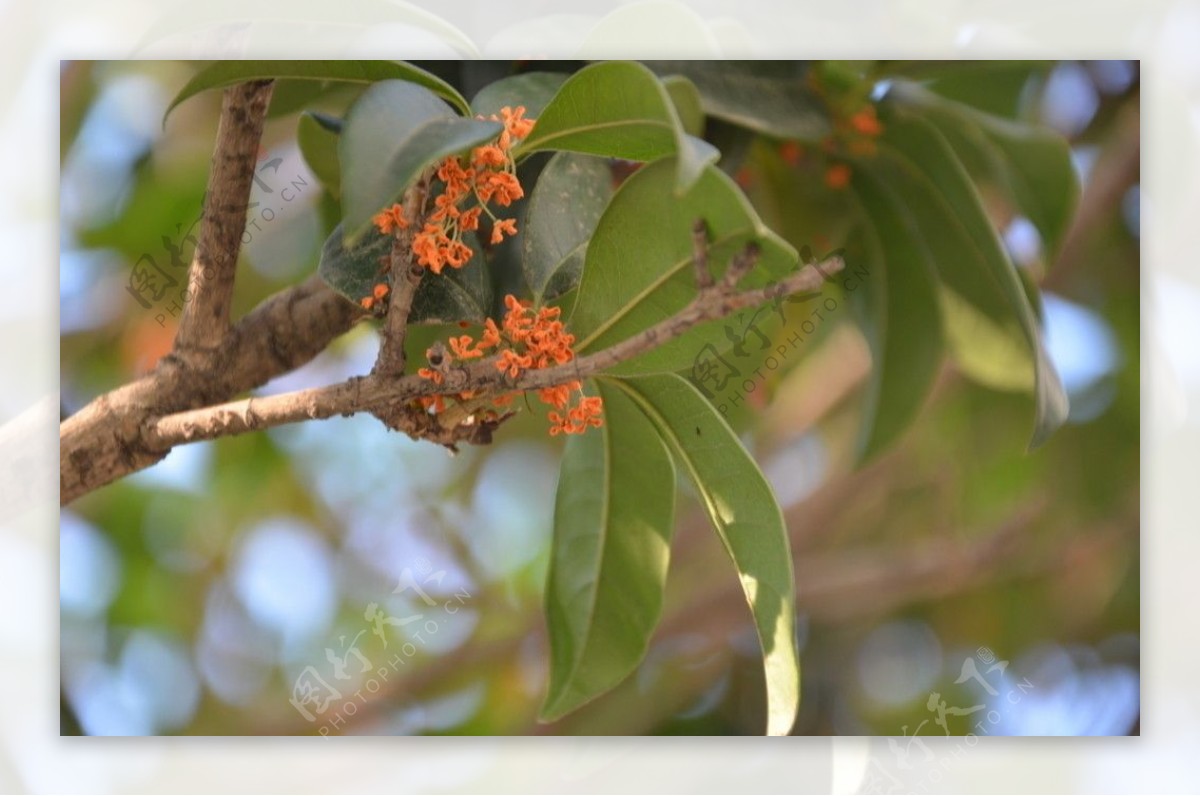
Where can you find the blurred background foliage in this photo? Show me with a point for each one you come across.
(194, 594)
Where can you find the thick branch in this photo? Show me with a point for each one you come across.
(205, 320)
(103, 441)
(386, 397)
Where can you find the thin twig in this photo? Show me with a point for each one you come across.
(406, 278)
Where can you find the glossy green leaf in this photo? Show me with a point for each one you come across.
(618, 109)
(533, 90)
(220, 74)
(319, 147)
(639, 269)
(462, 294)
(686, 98)
(613, 520)
(743, 510)
(564, 208)
(1041, 177)
(394, 132)
(903, 324)
(1031, 165)
(769, 97)
(972, 261)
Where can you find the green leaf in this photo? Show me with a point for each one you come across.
(1041, 177)
(1031, 165)
(903, 324)
(769, 97)
(221, 74)
(319, 146)
(462, 294)
(393, 133)
(564, 208)
(686, 99)
(743, 510)
(638, 268)
(618, 109)
(534, 90)
(972, 260)
(613, 520)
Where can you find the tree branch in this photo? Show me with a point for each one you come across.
(102, 442)
(391, 399)
(406, 278)
(205, 320)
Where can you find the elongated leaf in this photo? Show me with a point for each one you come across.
(395, 131)
(319, 146)
(1031, 165)
(903, 325)
(766, 96)
(639, 263)
(1041, 177)
(613, 519)
(982, 332)
(221, 74)
(621, 110)
(743, 510)
(533, 90)
(928, 151)
(462, 294)
(564, 208)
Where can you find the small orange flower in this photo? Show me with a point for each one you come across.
(367, 302)
(380, 291)
(501, 227)
(390, 219)
(866, 122)
(837, 176)
(791, 152)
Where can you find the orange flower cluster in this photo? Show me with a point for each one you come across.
(528, 340)
(856, 127)
(377, 296)
(488, 175)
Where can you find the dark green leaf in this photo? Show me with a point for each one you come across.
(533, 90)
(767, 96)
(564, 208)
(613, 520)
(1031, 165)
(1041, 177)
(462, 294)
(743, 510)
(320, 150)
(220, 74)
(395, 131)
(639, 268)
(621, 110)
(980, 269)
(903, 324)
